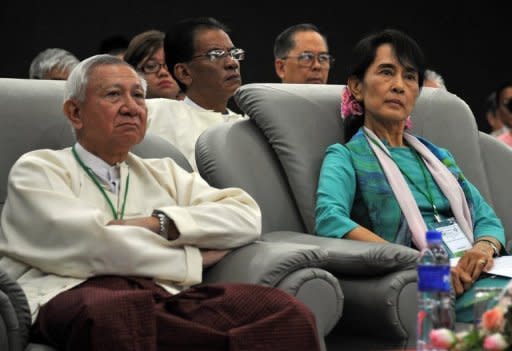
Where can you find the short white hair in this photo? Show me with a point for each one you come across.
(76, 83)
(50, 59)
(435, 77)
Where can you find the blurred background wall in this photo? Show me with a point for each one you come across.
(469, 45)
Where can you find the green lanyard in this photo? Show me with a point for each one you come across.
(428, 194)
(97, 183)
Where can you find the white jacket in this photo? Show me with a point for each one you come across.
(54, 235)
(181, 124)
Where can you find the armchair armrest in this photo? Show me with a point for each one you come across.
(378, 283)
(354, 258)
(14, 314)
(294, 268)
(265, 263)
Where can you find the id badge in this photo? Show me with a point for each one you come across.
(453, 236)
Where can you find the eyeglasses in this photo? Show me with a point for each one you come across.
(306, 59)
(219, 54)
(152, 67)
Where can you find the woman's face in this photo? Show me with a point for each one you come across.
(389, 90)
(503, 112)
(160, 83)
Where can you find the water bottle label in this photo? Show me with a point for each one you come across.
(433, 278)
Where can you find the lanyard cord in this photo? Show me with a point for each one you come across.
(91, 174)
(428, 194)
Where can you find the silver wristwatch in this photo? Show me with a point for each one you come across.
(164, 223)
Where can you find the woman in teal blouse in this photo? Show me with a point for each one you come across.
(387, 185)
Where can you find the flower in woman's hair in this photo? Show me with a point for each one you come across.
(349, 105)
(408, 122)
(492, 319)
(442, 338)
(495, 342)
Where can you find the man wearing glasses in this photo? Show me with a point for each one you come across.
(302, 55)
(504, 110)
(206, 65)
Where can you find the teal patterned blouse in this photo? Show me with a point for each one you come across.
(337, 196)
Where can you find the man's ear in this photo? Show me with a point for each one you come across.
(355, 87)
(279, 66)
(183, 74)
(71, 109)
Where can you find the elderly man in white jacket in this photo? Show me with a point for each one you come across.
(108, 244)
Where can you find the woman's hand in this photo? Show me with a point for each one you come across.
(476, 260)
(461, 281)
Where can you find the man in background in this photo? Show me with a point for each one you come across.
(206, 65)
(53, 63)
(301, 55)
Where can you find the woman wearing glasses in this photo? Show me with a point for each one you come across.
(146, 53)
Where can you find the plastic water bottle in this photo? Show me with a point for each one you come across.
(435, 308)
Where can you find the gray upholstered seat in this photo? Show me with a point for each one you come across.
(32, 118)
(276, 156)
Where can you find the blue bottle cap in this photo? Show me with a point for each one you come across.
(434, 235)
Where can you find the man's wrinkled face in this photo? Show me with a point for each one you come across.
(113, 114)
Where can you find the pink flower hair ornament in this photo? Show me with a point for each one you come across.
(351, 107)
(349, 104)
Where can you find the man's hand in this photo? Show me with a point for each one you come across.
(211, 257)
(152, 223)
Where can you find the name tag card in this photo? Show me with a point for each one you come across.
(453, 236)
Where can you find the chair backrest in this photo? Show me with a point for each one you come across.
(32, 118)
(237, 155)
(447, 120)
(299, 121)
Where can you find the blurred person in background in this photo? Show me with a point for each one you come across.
(497, 126)
(433, 80)
(301, 55)
(504, 110)
(145, 53)
(114, 45)
(52, 63)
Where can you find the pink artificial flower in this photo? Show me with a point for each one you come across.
(495, 342)
(492, 319)
(349, 105)
(442, 338)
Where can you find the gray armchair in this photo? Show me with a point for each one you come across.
(276, 156)
(32, 118)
